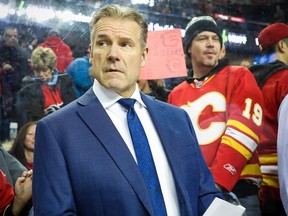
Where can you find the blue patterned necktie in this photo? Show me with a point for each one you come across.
(144, 157)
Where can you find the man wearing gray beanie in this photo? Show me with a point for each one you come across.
(225, 106)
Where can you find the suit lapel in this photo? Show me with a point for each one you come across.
(165, 129)
(112, 141)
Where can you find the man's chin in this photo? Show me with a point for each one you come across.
(113, 83)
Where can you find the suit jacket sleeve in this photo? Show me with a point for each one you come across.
(56, 162)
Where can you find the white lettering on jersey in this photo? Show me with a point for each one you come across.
(230, 168)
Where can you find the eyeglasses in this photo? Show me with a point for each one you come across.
(12, 36)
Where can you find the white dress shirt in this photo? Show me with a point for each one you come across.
(117, 113)
(282, 149)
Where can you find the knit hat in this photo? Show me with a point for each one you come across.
(272, 34)
(198, 25)
(54, 33)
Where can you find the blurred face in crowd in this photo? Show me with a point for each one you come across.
(205, 50)
(44, 75)
(117, 55)
(142, 84)
(10, 37)
(30, 138)
(245, 63)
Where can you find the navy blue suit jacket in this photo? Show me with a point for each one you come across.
(82, 166)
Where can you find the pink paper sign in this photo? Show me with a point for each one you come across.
(165, 56)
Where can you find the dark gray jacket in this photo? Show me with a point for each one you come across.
(10, 166)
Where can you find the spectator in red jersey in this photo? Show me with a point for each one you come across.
(272, 79)
(63, 51)
(225, 106)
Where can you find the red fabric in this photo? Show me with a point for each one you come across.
(226, 114)
(272, 34)
(274, 91)
(51, 97)
(29, 166)
(6, 192)
(61, 50)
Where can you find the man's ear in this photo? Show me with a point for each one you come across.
(144, 56)
(90, 54)
(282, 46)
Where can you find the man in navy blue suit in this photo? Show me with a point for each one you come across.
(85, 162)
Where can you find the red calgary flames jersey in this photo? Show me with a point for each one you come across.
(226, 112)
(274, 91)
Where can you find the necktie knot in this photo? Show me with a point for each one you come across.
(127, 103)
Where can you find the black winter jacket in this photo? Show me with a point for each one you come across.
(30, 99)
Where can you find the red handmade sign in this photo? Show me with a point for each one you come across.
(165, 56)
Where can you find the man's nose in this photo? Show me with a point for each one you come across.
(113, 54)
(41, 74)
(210, 42)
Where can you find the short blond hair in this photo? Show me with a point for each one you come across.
(122, 12)
(43, 58)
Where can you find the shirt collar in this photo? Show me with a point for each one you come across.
(108, 97)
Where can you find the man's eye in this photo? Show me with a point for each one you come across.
(126, 45)
(102, 43)
(201, 38)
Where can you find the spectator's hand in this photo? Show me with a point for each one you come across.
(7, 67)
(51, 109)
(23, 192)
